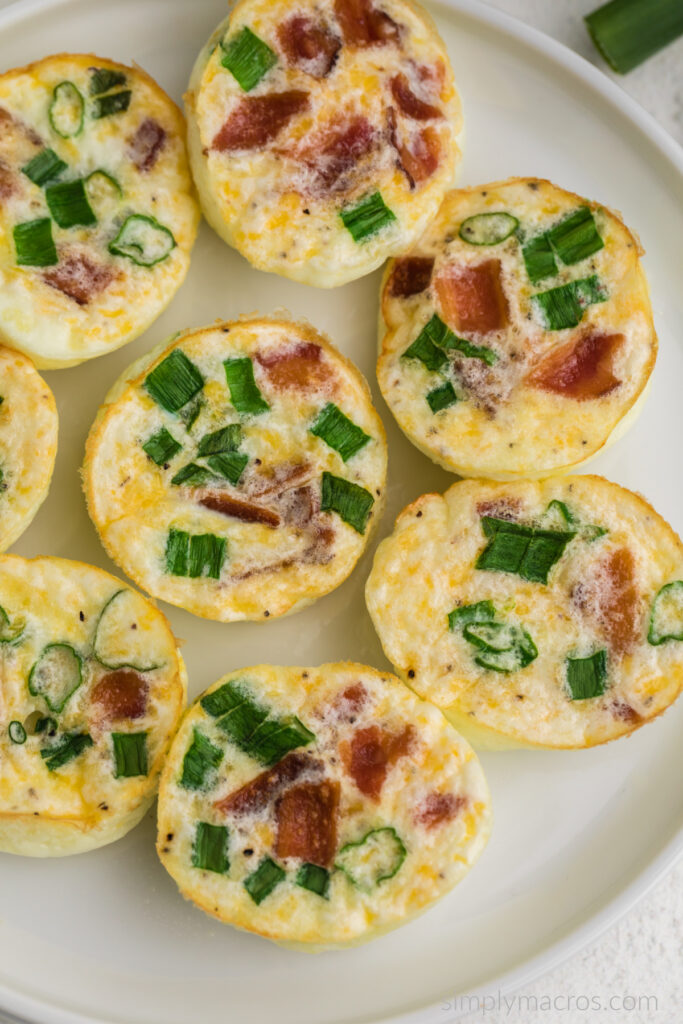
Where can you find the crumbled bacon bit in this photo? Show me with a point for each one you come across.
(472, 297)
(347, 704)
(309, 45)
(331, 155)
(258, 793)
(79, 277)
(307, 822)
(257, 120)
(8, 121)
(370, 754)
(624, 712)
(120, 694)
(500, 508)
(608, 596)
(298, 506)
(418, 157)
(437, 808)
(582, 369)
(237, 508)
(146, 144)
(277, 479)
(410, 104)
(362, 24)
(319, 551)
(300, 367)
(8, 181)
(410, 276)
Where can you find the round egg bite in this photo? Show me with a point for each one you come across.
(318, 807)
(28, 443)
(544, 614)
(238, 471)
(97, 209)
(322, 135)
(517, 336)
(92, 687)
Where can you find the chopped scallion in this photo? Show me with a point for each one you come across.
(351, 502)
(564, 306)
(627, 32)
(66, 110)
(113, 103)
(314, 878)
(482, 611)
(130, 754)
(260, 883)
(229, 465)
(68, 747)
(488, 228)
(177, 550)
(200, 761)
(161, 447)
(244, 391)
(442, 397)
(249, 726)
(247, 58)
(576, 237)
(192, 475)
(525, 550)
(44, 167)
(586, 677)
(143, 240)
(276, 737)
(17, 733)
(373, 859)
(538, 259)
(424, 349)
(227, 439)
(367, 217)
(226, 698)
(33, 243)
(104, 79)
(56, 675)
(11, 631)
(339, 432)
(210, 848)
(69, 204)
(174, 381)
(207, 554)
(102, 187)
(666, 617)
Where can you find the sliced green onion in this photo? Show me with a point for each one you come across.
(33, 243)
(104, 79)
(174, 381)
(436, 333)
(68, 747)
(101, 187)
(504, 661)
(130, 754)
(227, 439)
(314, 878)
(225, 699)
(442, 397)
(586, 677)
(177, 551)
(161, 447)
(47, 725)
(143, 240)
(210, 848)
(247, 58)
(483, 352)
(576, 237)
(276, 737)
(590, 290)
(368, 217)
(424, 349)
(242, 721)
(10, 630)
(339, 432)
(491, 636)
(244, 391)
(44, 167)
(503, 647)
(229, 466)
(627, 32)
(525, 550)
(488, 228)
(249, 726)
(538, 259)
(66, 110)
(118, 643)
(564, 306)
(482, 611)
(56, 675)
(373, 859)
(114, 103)
(17, 733)
(69, 204)
(666, 617)
(260, 883)
(189, 414)
(193, 475)
(207, 554)
(200, 761)
(351, 502)
(557, 515)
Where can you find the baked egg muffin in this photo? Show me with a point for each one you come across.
(238, 471)
(318, 807)
(323, 133)
(28, 443)
(97, 208)
(517, 336)
(92, 687)
(544, 614)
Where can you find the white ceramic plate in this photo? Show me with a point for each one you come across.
(578, 835)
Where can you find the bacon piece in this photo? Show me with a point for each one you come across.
(371, 753)
(624, 712)
(410, 276)
(472, 297)
(437, 808)
(333, 153)
(8, 181)
(309, 45)
(348, 703)
(299, 367)
(410, 104)
(9, 121)
(319, 551)
(299, 506)
(257, 120)
(79, 277)
(257, 794)
(146, 144)
(419, 157)
(120, 694)
(582, 369)
(236, 508)
(500, 508)
(307, 822)
(362, 24)
(432, 75)
(280, 478)
(608, 595)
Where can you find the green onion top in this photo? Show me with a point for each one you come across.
(373, 859)
(424, 349)
(17, 733)
(195, 555)
(339, 432)
(33, 243)
(66, 110)
(143, 240)
(442, 397)
(227, 439)
(367, 217)
(210, 848)
(161, 447)
(564, 306)
(69, 204)
(56, 675)
(241, 723)
(247, 58)
(226, 698)
(244, 391)
(488, 228)
(177, 551)
(351, 502)
(44, 167)
(69, 746)
(260, 883)
(250, 726)
(627, 32)
(200, 761)
(576, 237)
(538, 259)
(113, 103)
(587, 677)
(104, 79)
(130, 754)
(528, 551)
(482, 611)
(11, 630)
(193, 475)
(435, 336)
(314, 878)
(276, 737)
(174, 381)
(229, 465)
(666, 617)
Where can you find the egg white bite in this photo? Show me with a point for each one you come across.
(97, 208)
(516, 337)
(545, 614)
(28, 443)
(323, 134)
(92, 687)
(319, 807)
(238, 471)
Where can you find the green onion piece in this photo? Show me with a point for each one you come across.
(576, 237)
(244, 391)
(174, 381)
(339, 432)
(557, 514)
(10, 630)
(69, 204)
(482, 611)
(47, 725)
(66, 110)
(666, 617)
(161, 447)
(130, 754)
(114, 103)
(68, 747)
(102, 187)
(247, 58)
(487, 355)
(368, 217)
(229, 466)
(225, 699)
(189, 414)
(436, 333)
(207, 554)
(488, 228)
(143, 240)
(627, 32)
(314, 878)
(260, 883)
(17, 733)
(538, 259)
(241, 723)
(249, 727)
(589, 290)
(276, 737)
(505, 661)
(177, 551)
(227, 439)
(525, 550)
(200, 761)
(210, 848)
(442, 397)
(56, 675)
(33, 243)
(564, 306)
(193, 475)
(499, 637)
(45, 166)
(118, 643)
(351, 502)
(586, 677)
(104, 79)
(424, 349)
(373, 859)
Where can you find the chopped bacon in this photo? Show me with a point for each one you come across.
(472, 297)
(120, 694)
(485, 385)
(298, 506)
(319, 551)
(624, 712)
(347, 704)
(410, 276)
(432, 75)
(582, 369)
(500, 508)
(146, 144)
(236, 508)
(307, 822)
(370, 754)
(279, 478)
(410, 104)
(8, 181)
(362, 24)
(258, 793)
(437, 808)
(9, 121)
(332, 153)
(608, 595)
(309, 45)
(79, 277)
(419, 157)
(257, 120)
(300, 367)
